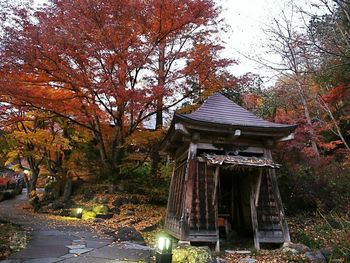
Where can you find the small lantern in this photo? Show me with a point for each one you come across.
(79, 212)
(164, 250)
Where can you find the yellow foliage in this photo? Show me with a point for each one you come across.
(32, 138)
(41, 138)
(12, 156)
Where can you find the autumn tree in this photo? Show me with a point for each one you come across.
(34, 140)
(89, 78)
(106, 65)
(312, 71)
(184, 35)
(295, 66)
(329, 34)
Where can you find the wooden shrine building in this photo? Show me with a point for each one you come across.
(224, 180)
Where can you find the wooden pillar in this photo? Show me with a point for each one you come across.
(197, 200)
(189, 189)
(253, 194)
(186, 213)
(215, 204)
(206, 197)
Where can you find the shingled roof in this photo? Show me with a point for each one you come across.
(218, 109)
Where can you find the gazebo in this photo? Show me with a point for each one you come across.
(224, 179)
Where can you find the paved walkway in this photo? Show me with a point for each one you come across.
(51, 241)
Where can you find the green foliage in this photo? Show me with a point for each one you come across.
(140, 171)
(100, 209)
(139, 181)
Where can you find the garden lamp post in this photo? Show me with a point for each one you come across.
(164, 250)
(79, 212)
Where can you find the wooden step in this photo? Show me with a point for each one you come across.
(203, 236)
(270, 234)
(270, 228)
(274, 240)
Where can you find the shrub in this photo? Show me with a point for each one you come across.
(307, 189)
(139, 181)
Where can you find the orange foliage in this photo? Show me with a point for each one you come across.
(96, 63)
(335, 94)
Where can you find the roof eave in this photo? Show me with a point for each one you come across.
(287, 129)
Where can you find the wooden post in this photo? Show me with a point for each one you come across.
(189, 190)
(254, 218)
(206, 196)
(215, 204)
(197, 208)
(192, 151)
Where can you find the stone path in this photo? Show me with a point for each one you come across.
(50, 242)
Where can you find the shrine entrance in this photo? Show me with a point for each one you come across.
(234, 213)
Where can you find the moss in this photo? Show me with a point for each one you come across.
(88, 215)
(100, 209)
(190, 254)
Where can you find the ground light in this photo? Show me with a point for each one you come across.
(79, 213)
(164, 250)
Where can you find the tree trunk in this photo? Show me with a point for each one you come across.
(118, 151)
(101, 147)
(308, 119)
(31, 184)
(26, 181)
(32, 178)
(159, 113)
(67, 189)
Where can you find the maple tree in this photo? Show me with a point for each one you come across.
(86, 78)
(185, 53)
(107, 65)
(31, 141)
(329, 36)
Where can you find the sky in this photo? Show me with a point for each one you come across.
(247, 19)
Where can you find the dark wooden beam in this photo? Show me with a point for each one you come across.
(254, 217)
